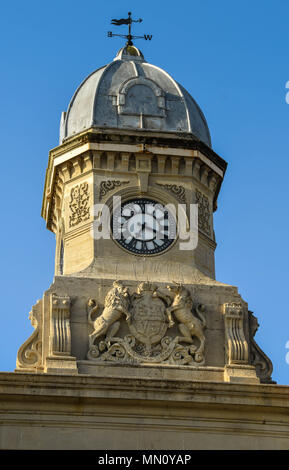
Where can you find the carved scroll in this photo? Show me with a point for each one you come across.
(236, 344)
(60, 337)
(177, 191)
(258, 358)
(29, 354)
(109, 185)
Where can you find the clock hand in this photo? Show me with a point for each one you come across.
(155, 231)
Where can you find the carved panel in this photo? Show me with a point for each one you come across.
(109, 185)
(79, 204)
(151, 325)
(203, 213)
(60, 337)
(177, 191)
(29, 355)
(258, 358)
(236, 344)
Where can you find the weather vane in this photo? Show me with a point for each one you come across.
(128, 36)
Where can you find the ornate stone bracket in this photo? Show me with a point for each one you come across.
(60, 340)
(29, 356)
(236, 344)
(237, 368)
(258, 358)
(60, 359)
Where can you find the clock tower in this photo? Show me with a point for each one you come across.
(136, 345)
(130, 193)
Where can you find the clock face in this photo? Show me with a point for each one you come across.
(143, 226)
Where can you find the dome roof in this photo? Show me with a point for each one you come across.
(130, 93)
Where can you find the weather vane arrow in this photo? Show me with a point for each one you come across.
(128, 36)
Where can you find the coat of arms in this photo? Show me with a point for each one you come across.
(141, 327)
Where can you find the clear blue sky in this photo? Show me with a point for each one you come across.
(232, 57)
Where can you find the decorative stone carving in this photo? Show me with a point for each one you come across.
(142, 321)
(29, 354)
(79, 204)
(258, 358)
(236, 344)
(109, 185)
(203, 213)
(189, 325)
(60, 336)
(177, 191)
(115, 305)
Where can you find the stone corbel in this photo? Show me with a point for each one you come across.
(196, 168)
(76, 168)
(237, 368)
(60, 359)
(87, 162)
(161, 163)
(110, 160)
(143, 169)
(125, 161)
(66, 171)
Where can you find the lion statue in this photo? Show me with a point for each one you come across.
(116, 304)
(189, 325)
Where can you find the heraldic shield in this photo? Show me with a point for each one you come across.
(149, 320)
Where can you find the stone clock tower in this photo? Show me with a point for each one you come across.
(134, 327)
(129, 292)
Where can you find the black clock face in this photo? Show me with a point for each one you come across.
(143, 226)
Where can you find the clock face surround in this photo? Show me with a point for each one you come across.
(143, 226)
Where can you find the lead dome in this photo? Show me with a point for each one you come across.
(130, 93)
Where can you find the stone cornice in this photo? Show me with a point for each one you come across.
(145, 141)
(145, 388)
(178, 140)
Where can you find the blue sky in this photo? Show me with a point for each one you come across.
(232, 57)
